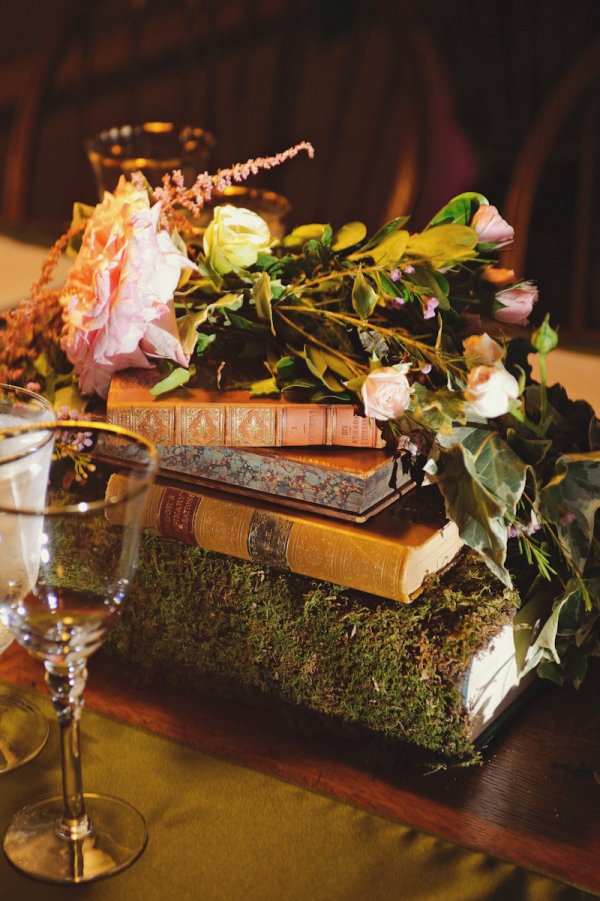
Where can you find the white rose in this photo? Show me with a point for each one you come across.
(482, 349)
(385, 392)
(491, 390)
(234, 238)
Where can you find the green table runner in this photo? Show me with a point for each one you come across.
(223, 832)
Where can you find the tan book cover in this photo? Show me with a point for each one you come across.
(194, 416)
(389, 555)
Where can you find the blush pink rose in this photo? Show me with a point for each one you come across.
(517, 304)
(118, 298)
(491, 228)
(491, 390)
(385, 393)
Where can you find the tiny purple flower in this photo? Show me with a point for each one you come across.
(431, 304)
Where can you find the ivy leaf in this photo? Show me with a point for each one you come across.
(364, 298)
(482, 481)
(570, 500)
(478, 514)
(443, 244)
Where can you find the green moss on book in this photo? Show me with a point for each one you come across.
(384, 674)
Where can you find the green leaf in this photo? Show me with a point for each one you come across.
(178, 377)
(477, 512)
(348, 235)
(459, 210)
(263, 296)
(386, 252)
(570, 501)
(264, 388)
(317, 362)
(482, 481)
(392, 226)
(364, 298)
(531, 450)
(443, 244)
(299, 236)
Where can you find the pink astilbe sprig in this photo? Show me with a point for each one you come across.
(173, 192)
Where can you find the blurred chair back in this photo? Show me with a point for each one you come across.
(260, 76)
(553, 201)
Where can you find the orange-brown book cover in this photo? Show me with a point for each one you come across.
(232, 418)
(389, 555)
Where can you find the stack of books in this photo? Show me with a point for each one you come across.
(310, 488)
(305, 488)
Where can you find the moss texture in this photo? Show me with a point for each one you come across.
(385, 675)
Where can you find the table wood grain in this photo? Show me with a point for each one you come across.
(535, 800)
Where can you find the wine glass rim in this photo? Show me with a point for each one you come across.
(58, 425)
(17, 389)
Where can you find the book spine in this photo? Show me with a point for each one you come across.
(312, 548)
(245, 425)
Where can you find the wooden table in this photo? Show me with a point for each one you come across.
(534, 801)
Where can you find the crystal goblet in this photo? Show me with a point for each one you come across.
(59, 596)
(23, 728)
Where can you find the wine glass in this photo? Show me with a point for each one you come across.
(23, 728)
(79, 552)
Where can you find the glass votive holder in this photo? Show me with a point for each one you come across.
(153, 148)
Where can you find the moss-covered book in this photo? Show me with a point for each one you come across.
(388, 677)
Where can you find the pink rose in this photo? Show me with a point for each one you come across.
(118, 298)
(491, 228)
(481, 349)
(491, 390)
(517, 303)
(385, 392)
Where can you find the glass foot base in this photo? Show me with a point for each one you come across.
(23, 731)
(117, 837)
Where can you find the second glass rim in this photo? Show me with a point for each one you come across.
(51, 427)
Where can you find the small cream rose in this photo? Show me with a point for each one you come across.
(385, 392)
(491, 390)
(234, 238)
(481, 349)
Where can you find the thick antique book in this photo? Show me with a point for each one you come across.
(427, 682)
(389, 555)
(232, 418)
(346, 483)
(495, 683)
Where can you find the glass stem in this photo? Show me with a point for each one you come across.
(66, 684)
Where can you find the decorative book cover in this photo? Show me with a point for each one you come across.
(194, 416)
(336, 480)
(389, 556)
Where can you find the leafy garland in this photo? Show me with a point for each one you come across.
(327, 314)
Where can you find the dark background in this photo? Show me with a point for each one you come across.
(406, 103)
